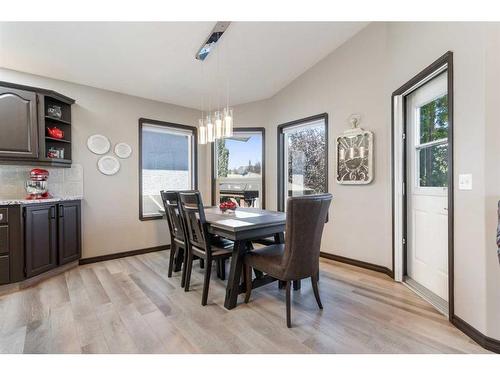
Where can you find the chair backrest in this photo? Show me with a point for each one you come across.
(305, 220)
(194, 219)
(173, 212)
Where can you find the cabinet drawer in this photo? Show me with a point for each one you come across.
(4, 239)
(4, 215)
(4, 270)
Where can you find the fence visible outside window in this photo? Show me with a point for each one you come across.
(167, 162)
(238, 168)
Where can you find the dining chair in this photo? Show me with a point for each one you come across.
(298, 257)
(178, 251)
(200, 242)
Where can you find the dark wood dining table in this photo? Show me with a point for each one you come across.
(243, 226)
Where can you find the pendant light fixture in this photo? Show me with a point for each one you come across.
(219, 124)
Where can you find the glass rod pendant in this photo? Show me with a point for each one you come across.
(228, 122)
(218, 125)
(202, 132)
(210, 130)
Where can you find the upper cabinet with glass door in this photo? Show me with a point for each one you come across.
(238, 170)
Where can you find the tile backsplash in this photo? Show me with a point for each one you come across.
(63, 182)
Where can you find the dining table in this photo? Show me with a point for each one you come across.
(243, 226)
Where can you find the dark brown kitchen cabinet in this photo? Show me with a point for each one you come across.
(69, 244)
(18, 123)
(29, 118)
(40, 225)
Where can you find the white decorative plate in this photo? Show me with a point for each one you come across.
(98, 144)
(108, 165)
(123, 150)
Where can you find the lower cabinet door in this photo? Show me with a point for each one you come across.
(4, 269)
(69, 232)
(40, 238)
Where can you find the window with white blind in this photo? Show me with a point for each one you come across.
(167, 162)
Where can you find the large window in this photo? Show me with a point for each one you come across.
(167, 161)
(302, 158)
(238, 168)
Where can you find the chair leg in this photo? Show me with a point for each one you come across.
(189, 267)
(202, 263)
(314, 282)
(288, 305)
(184, 266)
(206, 284)
(218, 268)
(171, 259)
(223, 269)
(248, 283)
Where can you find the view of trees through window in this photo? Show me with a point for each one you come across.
(239, 156)
(306, 156)
(433, 159)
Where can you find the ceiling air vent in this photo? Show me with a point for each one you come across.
(212, 39)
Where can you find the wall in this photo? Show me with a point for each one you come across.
(359, 77)
(111, 203)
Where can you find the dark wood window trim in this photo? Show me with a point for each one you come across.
(243, 129)
(194, 145)
(280, 156)
(413, 84)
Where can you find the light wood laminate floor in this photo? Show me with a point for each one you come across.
(129, 305)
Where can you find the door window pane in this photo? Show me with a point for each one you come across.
(433, 118)
(238, 167)
(305, 159)
(433, 166)
(166, 164)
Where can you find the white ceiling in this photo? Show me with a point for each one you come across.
(156, 60)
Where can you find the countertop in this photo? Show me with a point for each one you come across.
(14, 201)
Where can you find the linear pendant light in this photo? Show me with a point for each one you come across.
(218, 125)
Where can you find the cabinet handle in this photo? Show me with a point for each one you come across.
(53, 212)
(1, 217)
(61, 210)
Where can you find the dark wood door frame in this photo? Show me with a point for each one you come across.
(281, 160)
(409, 87)
(194, 145)
(263, 170)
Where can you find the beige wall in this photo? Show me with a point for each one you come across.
(111, 203)
(359, 77)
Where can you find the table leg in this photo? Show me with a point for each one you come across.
(233, 282)
(296, 284)
(179, 258)
(280, 238)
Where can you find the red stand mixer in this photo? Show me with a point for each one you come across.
(36, 186)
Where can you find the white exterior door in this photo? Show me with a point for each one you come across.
(427, 186)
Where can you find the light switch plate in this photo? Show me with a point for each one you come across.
(465, 182)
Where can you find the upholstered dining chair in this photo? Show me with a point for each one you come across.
(200, 242)
(178, 251)
(298, 257)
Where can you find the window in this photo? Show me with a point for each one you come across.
(167, 161)
(238, 168)
(432, 143)
(302, 158)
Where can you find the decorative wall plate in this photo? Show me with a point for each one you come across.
(123, 150)
(355, 155)
(98, 144)
(108, 165)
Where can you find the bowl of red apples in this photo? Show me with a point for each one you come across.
(227, 205)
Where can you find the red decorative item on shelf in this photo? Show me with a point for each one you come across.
(227, 205)
(55, 132)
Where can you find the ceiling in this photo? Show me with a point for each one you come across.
(156, 60)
